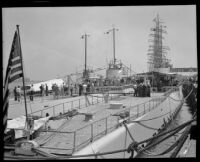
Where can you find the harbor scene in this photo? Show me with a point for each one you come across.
(99, 82)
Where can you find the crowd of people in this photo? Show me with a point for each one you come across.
(142, 90)
(76, 89)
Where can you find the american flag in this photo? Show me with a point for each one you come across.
(13, 72)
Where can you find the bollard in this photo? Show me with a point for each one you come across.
(144, 108)
(63, 108)
(137, 110)
(79, 104)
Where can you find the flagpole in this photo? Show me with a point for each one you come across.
(28, 137)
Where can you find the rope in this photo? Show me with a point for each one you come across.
(162, 153)
(134, 145)
(149, 119)
(183, 98)
(146, 126)
(159, 141)
(166, 132)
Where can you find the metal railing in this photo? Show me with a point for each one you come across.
(83, 136)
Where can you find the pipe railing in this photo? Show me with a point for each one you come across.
(138, 110)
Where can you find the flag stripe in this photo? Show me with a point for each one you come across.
(5, 122)
(15, 62)
(6, 84)
(5, 114)
(16, 65)
(14, 70)
(6, 97)
(16, 73)
(5, 107)
(11, 79)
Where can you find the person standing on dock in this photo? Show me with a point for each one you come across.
(80, 89)
(15, 93)
(140, 90)
(148, 87)
(41, 89)
(18, 90)
(71, 89)
(135, 87)
(62, 90)
(47, 91)
(84, 88)
(31, 93)
(53, 90)
(144, 90)
(56, 91)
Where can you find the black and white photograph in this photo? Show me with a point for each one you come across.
(99, 82)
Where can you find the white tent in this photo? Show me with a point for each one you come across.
(49, 83)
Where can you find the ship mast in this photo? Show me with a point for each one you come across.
(157, 52)
(113, 32)
(85, 73)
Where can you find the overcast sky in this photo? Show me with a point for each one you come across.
(52, 45)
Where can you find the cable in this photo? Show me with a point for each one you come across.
(171, 147)
(164, 133)
(149, 119)
(147, 126)
(183, 98)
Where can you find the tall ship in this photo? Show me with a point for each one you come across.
(158, 52)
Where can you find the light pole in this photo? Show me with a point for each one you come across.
(113, 31)
(85, 75)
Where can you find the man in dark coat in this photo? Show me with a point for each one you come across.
(47, 91)
(148, 87)
(15, 93)
(80, 89)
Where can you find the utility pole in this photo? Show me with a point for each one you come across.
(85, 74)
(113, 31)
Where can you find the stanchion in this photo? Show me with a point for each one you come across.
(74, 142)
(106, 126)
